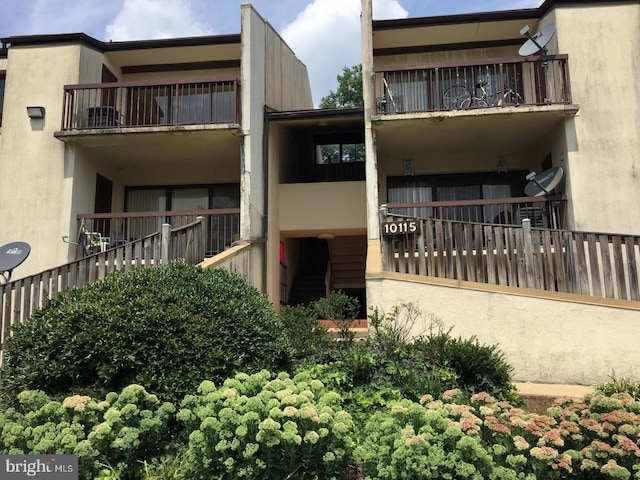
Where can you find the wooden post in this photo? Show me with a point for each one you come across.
(386, 242)
(528, 253)
(165, 239)
(202, 239)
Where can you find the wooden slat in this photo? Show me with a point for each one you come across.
(633, 268)
(521, 261)
(7, 311)
(16, 317)
(45, 289)
(479, 257)
(460, 249)
(422, 261)
(448, 237)
(440, 260)
(402, 263)
(593, 264)
(26, 298)
(55, 281)
(582, 278)
(91, 269)
(503, 275)
(511, 260)
(468, 249)
(549, 268)
(411, 253)
(538, 267)
(431, 260)
(607, 272)
(618, 265)
(128, 258)
(560, 261)
(36, 286)
(491, 257)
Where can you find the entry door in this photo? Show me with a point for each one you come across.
(104, 193)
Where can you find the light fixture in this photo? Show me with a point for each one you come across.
(326, 236)
(35, 112)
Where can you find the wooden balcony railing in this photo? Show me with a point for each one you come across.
(501, 83)
(544, 212)
(108, 230)
(21, 297)
(595, 264)
(145, 104)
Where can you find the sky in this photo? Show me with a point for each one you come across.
(324, 34)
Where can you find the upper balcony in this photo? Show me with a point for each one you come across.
(150, 106)
(473, 85)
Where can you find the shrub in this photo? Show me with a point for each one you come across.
(342, 310)
(309, 339)
(258, 427)
(119, 431)
(479, 367)
(409, 441)
(166, 328)
(621, 385)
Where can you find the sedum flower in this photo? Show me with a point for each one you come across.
(76, 402)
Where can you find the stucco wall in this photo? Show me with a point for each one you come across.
(545, 339)
(329, 206)
(35, 176)
(604, 161)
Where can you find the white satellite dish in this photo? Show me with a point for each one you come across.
(543, 183)
(538, 42)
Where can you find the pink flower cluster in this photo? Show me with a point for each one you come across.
(597, 434)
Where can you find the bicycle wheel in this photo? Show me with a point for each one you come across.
(456, 97)
(512, 98)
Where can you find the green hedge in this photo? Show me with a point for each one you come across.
(166, 328)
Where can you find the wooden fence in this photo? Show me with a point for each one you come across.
(595, 264)
(21, 297)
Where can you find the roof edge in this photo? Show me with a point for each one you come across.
(27, 40)
(502, 15)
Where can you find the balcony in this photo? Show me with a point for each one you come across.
(109, 230)
(127, 105)
(507, 82)
(602, 265)
(544, 212)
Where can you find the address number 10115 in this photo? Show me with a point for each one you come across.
(394, 228)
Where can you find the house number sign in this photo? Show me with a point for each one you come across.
(394, 228)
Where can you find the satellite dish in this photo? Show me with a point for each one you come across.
(12, 255)
(544, 183)
(538, 42)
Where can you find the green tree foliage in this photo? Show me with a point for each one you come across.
(349, 92)
(166, 328)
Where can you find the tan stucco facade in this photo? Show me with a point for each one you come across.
(546, 338)
(552, 338)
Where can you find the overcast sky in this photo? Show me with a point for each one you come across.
(325, 34)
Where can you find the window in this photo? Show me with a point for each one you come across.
(445, 188)
(178, 198)
(221, 230)
(339, 149)
(2, 81)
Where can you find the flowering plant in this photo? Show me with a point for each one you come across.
(257, 426)
(119, 431)
(594, 438)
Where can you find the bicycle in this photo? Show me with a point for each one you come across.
(459, 97)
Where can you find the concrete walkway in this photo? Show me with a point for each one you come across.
(540, 396)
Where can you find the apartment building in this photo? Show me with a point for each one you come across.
(459, 113)
(425, 196)
(129, 135)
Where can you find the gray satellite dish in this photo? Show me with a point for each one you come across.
(12, 255)
(538, 42)
(544, 183)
